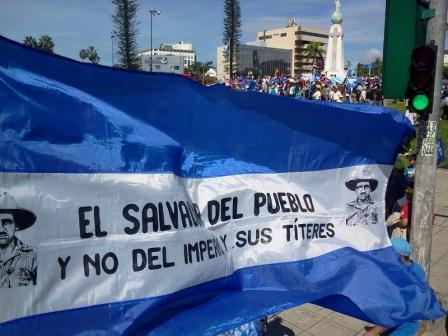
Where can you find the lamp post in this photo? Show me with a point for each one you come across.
(112, 37)
(152, 12)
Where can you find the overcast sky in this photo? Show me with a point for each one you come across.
(77, 24)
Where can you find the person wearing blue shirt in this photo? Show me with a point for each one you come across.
(404, 249)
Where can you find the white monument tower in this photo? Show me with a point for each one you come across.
(334, 63)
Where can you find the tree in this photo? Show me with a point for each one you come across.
(376, 68)
(232, 32)
(314, 51)
(44, 43)
(30, 41)
(198, 70)
(91, 54)
(125, 31)
(445, 72)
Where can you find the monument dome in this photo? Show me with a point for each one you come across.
(337, 18)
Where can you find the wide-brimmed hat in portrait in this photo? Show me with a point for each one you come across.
(22, 217)
(362, 175)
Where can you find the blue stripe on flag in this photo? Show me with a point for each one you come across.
(66, 116)
(252, 293)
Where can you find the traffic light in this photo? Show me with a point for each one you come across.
(404, 29)
(421, 78)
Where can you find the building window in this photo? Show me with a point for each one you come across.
(283, 34)
(268, 37)
(261, 38)
(301, 32)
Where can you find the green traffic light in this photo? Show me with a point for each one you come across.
(420, 102)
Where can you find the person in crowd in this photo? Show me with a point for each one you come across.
(317, 95)
(403, 250)
(337, 97)
(396, 187)
(413, 117)
(363, 96)
(406, 212)
(409, 172)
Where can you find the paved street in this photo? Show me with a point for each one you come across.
(308, 320)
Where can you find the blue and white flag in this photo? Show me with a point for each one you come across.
(137, 203)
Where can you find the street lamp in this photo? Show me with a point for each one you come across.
(153, 12)
(112, 37)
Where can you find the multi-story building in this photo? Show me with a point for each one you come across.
(296, 38)
(169, 63)
(256, 60)
(184, 51)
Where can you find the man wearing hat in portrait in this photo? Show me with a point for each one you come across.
(18, 262)
(362, 210)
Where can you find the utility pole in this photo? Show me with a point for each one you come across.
(112, 37)
(425, 178)
(152, 12)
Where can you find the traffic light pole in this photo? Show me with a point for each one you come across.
(425, 178)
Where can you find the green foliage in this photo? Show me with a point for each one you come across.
(443, 128)
(198, 68)
(197, 71)
(125, 31)
(30, 41)
(231, 32)
(314, 50)
(445, 72)
(91, 54)
(44, 43)
(364, 72)
(398, 105)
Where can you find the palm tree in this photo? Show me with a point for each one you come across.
(91, 54)
(314, 50)
(46, 43)
(83, 54)
(30, 41)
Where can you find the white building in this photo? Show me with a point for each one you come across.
(211, 72)
(181, 49)
(334, 63)
(170, 63)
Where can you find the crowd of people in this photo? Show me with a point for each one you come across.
(315, 87)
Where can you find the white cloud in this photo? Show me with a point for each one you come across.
(370, 56)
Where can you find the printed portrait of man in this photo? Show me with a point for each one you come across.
(18, 261)
(362, 211)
